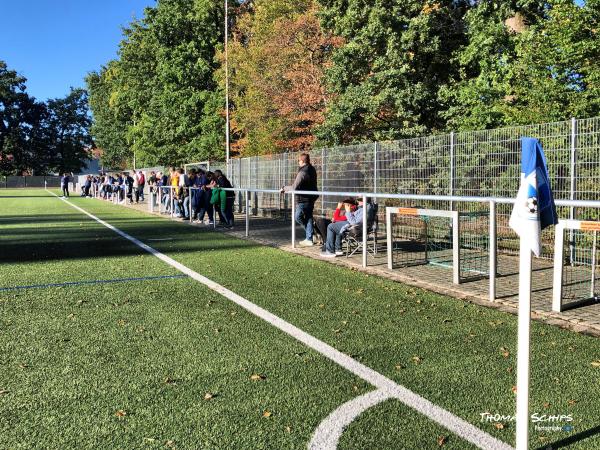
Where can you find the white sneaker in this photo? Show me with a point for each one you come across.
(306, 243)
(339, 253)
(327, 254)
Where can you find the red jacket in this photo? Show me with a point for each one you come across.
(338, 216)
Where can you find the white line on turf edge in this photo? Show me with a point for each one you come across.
(444, 418)
(328, 433)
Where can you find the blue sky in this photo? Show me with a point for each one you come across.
(55, 43)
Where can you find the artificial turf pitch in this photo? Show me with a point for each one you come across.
(169, 363)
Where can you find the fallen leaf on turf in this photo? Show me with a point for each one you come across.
(596, 363)
(23, 366)
(546, 405)
(446, 321)
(121, 413)
(208, 396)
(399, 366)
(321, 305)
(504, 352)
(571, 402)
(257, 377)
(499, 426)
(514, 389)
(441, 440)
(267, 413)
(170, 380)
(288, 429)
(344, 322)
(3, 391)
(170, 444)
(417, 359)
(509, 369)
(337, 331)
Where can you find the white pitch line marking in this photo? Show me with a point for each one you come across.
(328, 433)
(453, 423)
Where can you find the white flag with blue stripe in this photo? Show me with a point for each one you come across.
(534, 207)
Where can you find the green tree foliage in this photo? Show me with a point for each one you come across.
(386, 78)
(109, 127)
(38, 137)
(22, 144)
(526, 62)
(161, 90)
(67, 131)
(277, 58)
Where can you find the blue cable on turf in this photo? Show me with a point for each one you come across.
(76, 283)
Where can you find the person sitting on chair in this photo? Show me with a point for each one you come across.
(335, 231)
(321, 223)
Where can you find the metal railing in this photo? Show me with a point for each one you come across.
(472, 163)
(491, 202)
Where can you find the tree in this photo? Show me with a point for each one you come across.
(277, 57)
(22, 144)
(67, 131)
(109, 129)
(526, 62)
(159, 100)
(386, 78)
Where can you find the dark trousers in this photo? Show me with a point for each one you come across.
(321, 224)
(65, 190)
(226, 217)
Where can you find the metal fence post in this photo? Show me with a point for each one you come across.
(246, 194)
(256, 185)
(375, 167)
(452, 169)
(456, 248)
(293, 222)
(323, 179)
(172, 203)
(493, 251)
(279, 182)
(573, 187)
(593, 283)
(364, 231)
(285, 180)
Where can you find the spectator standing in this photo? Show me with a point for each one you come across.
(141, 184)
(204, 182)
(306, 180)
(225, 210)
(64, 185)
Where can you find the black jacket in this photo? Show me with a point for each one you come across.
(306, 180)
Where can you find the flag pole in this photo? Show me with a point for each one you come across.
(524, 324)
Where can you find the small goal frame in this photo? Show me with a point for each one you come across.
(559, 242)
(421, 212)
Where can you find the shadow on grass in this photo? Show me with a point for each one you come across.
(25, 244)
(572, 439)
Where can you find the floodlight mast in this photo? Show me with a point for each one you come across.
(226, 84)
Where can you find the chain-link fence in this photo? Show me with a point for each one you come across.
(9, 182)
(477, 163)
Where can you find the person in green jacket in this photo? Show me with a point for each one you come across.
(222, 200)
